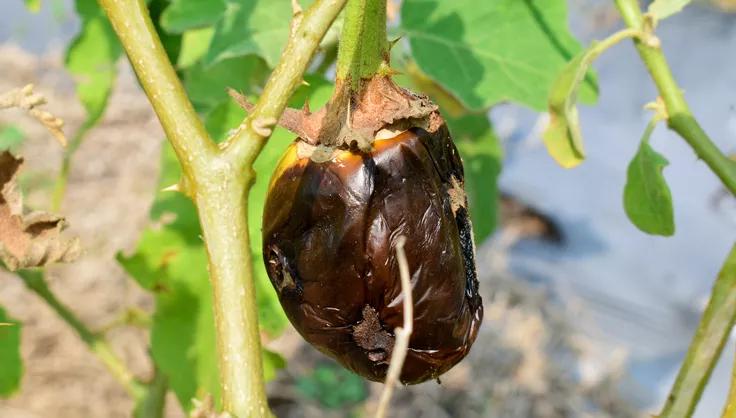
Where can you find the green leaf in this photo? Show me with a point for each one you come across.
(486, 52)
(11, 363)
(647, 198)
(182, 15)
(91, 59)
(662, 9)
(33, 5)
(563, 137)
(194, 45)
(482, 155)
(259, 27)
(10, 137)
(272, 362)
(332, 386)
(207, 86)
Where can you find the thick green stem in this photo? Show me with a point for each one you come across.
(222, 206)
(182, 125)
(363, 45)
(707, 344)
(681, 119)
(35, 281)
(219, 179)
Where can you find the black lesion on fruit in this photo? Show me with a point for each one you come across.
(371, 337)
(283, 276)
(465, 230)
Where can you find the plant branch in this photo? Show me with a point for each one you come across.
(62, 180)
(707, 344)
(152, 403)
(729, 410)
(36, 282)
(308, 28)
(681, 119)
(398, 355)
(182, 125)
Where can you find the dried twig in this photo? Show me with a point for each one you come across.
(24, 98)
(402, 333)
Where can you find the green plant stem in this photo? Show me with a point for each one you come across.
(218, 180)
(363, 44)
(729, 409)
(36, 282)
(63, 178)
(182, 125)
(153, 401)
(246, 143)
(680, 118)
(706, 346)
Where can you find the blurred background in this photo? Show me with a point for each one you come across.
(585, 315)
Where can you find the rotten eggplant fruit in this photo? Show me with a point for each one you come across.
(332, 215)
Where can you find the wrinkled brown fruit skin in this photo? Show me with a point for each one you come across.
(329, 232)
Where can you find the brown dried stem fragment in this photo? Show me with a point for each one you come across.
(28, 239)
(402, 333)
(24, 98)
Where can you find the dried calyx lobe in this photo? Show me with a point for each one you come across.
(336, 204)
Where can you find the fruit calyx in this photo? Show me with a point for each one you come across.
(353, 119)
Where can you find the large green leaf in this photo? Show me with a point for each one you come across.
(11, 364)
(485, 52)
(182, 15)
(259, 27)
(482, 155)
(91, 59)
(647, 198)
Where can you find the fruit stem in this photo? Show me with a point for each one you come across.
(363, 45)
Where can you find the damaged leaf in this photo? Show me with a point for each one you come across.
(28, 239)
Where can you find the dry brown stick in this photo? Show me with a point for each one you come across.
(402, 333)
(24, 98)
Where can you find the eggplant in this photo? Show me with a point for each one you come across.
(330, 224)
